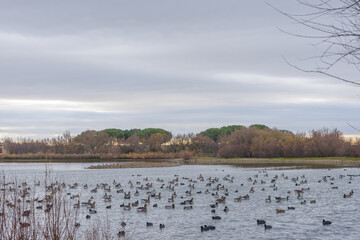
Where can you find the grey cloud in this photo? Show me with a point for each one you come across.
(159, 63)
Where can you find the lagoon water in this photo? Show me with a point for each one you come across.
(305, 222)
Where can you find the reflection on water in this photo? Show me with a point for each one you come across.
(305, 222)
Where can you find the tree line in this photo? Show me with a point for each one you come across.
(255, 141)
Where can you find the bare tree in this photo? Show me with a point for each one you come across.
(336, 24)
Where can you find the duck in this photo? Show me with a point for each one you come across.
(326, 222)
(207, 228)
(260, 221)
(226, 209)
(280, 211)
(88, 216)
(92, 211)
(121, 234)
(291, 208)
(216, 218)
(213, 205)
(189, 201)
(149, 224)
(267, 226)
(162, 225)
(170, 206)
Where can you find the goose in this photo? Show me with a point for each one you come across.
(127, 207)
(127, 195)
(158, 196)
(142, 209)
(146, 200)
(238, 199)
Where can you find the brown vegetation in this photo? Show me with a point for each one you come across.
(257, 141)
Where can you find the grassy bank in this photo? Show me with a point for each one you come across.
(320, 161)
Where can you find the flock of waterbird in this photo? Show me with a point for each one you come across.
(214, 186)
(217, 189)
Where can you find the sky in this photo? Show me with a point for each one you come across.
(184, 66)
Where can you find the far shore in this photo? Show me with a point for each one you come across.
(322, 162)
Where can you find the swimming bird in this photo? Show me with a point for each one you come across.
(170, 206)
(207, 228)
(260, 221)
(162, 225)
(326, 222)
(142, 209)
(267, 226)
(121, 234)
(92, 211)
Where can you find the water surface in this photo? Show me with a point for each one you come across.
(305, 222)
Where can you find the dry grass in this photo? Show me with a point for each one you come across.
(41, 210)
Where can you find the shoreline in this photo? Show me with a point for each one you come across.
(333, 162)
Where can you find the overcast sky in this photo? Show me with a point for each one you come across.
(180, 65)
